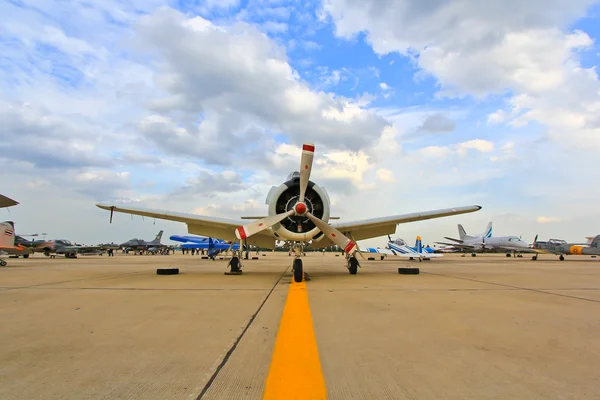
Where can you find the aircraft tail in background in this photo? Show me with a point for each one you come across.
(419, 245)
(488, 231)
(158, 238)
(7, 234)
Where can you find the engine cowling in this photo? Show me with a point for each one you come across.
(283, 198)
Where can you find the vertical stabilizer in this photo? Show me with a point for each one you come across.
(419, 245)
(595, 242)
(488, 231)
(462, 233)
(158, 237)
(7, 234)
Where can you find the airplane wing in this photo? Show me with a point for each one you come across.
(457, 245)
(7, 201)
(371, 228)
(219, 228)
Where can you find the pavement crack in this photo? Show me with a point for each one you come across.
(237, 341)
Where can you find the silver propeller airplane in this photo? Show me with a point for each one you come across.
(298, 213)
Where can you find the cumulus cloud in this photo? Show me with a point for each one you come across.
(520, 49)
(218, 83)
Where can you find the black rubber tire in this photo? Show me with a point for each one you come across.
(353, 265)
(25, 255)
(534, 258)
(255, 258)
(382, 257)
(371, 258)
(561, 258)
(167, 271)
(473, 255)
(298, 270)
(507, 254)
(408, 271)
(3, 263)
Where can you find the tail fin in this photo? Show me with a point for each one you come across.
(158, 237)
(419, 245)
(488, 231)
(595, 242)
(462, 234)
(7, 234)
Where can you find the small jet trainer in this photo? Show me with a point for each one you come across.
(400, 248)
(213, 246)
(485, 241)
(298, 213)
(141, 245)
(7, 242)
(562, 248)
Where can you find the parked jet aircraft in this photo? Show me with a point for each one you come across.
(7, 242)
(298, 213)
(141, 245)
(400, 248)
(213, 246)
(485, 241)
(562, 248)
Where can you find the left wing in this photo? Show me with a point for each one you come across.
(371, 228)
(214, 227)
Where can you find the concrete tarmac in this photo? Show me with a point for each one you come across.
(488, 327)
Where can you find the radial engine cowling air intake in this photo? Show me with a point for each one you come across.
(283, 198)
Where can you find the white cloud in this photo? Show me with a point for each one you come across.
(548, 220)
(516, 48)
(385, 175)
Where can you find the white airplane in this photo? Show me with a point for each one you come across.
(298, 213)
(400, 248)
(485, 241)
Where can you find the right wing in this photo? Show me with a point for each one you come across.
(7, 201)
(371, 228)
(214, 227)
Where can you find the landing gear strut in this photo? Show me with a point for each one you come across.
(235, 264)
(297, 264)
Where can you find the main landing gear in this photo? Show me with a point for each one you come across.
(297, 268)
(353, 265)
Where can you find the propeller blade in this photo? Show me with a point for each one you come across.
(308, 152)
(254, 227)
(334, 235)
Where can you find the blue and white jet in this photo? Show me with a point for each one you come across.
(400, 248)
(213, 246)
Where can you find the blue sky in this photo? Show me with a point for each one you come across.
(190, 106)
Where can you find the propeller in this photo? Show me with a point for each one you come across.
(300, 209)
(308, 152)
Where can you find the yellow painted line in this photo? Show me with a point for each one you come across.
(295, 367)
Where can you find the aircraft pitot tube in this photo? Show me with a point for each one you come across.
(299, 210)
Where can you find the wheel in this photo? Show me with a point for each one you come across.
(507, 254)
(2, 263)
(298, 271)
(473, 255)
(408, 271)
(534, 258)
(353, 265)
(561, 258)
(382, 257)
(167, 271)
(25, 255)
(234, 264)
(371, 258)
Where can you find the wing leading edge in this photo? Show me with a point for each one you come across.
(371, 228)
(220, 228)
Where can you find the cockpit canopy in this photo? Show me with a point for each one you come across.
(557, 241)
(399, 242)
